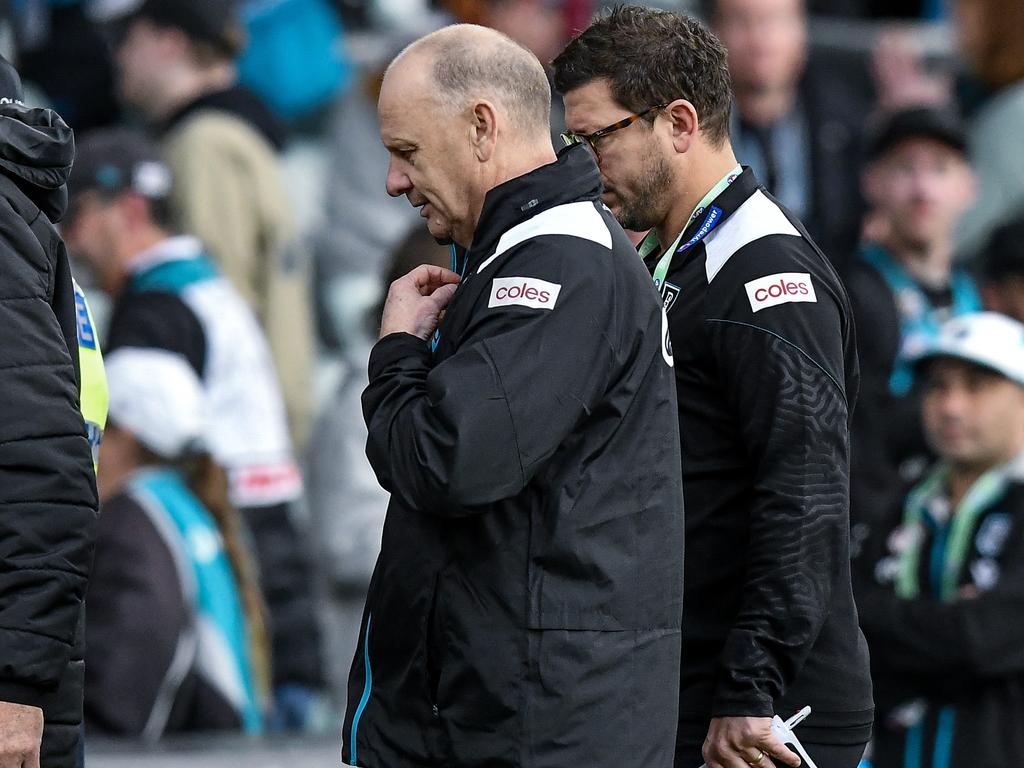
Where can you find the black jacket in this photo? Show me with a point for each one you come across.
(766, 372)
(47, 488)
(949, 675)
(147, 678)
(525, 607)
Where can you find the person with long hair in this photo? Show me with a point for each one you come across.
(175, 636)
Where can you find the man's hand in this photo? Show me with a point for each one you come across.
(415, 302)
(737, 742)
(21, 734)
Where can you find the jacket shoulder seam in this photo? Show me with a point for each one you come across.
(789, 343)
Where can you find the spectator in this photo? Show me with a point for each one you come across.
(1003, 270)
(170, 549)
(903, 287)
(943, 588)
(47, 488)
(797, 125)
(992, 41)
(169, 295)
(176, 62)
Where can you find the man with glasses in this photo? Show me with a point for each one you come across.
(766, 375)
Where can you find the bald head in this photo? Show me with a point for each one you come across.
(462, 111)
(466, 62)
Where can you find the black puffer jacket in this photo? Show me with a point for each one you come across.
(47, 487)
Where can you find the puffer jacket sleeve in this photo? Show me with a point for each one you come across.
(47, 488)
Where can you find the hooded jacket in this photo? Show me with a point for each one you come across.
(526, 604)
(47, 486)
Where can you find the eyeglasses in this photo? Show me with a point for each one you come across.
(590, 139)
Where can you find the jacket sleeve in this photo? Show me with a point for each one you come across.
(966, 640)
(973, 638)
(783, 369)
(47, 488)
(126, 658)
(477, 427)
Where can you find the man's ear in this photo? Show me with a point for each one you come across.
(683, 123)
(483, 129)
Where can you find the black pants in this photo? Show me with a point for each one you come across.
(823, 755)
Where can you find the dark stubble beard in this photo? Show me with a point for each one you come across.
(641, 208)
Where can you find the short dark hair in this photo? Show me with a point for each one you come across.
(652, 57)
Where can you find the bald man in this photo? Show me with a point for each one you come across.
(526, 603)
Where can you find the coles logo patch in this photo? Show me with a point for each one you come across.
(782, 288)
(524, 291)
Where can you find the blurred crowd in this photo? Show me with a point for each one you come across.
(229, 220)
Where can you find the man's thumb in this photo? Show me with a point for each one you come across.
(443, 295)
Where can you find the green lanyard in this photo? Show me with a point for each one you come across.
(985, 490)
(650, 243)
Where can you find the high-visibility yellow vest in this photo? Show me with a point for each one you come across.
(93, 395)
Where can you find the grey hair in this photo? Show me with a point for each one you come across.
(472, 62)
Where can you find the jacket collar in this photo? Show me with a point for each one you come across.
(571, 178)
(728, 202)
(238, 102)
(176, 248)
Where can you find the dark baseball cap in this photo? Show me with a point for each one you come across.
(216, 22)
(941, 124)
(10, 82)
(116, 160)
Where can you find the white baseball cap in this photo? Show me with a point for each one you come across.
(157, 396)
(987, 339)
